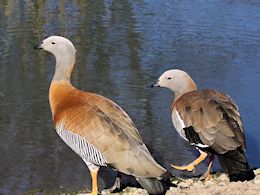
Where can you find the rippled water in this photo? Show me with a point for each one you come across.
(123, 46)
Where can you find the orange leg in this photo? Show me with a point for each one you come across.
(94, 182)
(94, 174)
(191, 166)
(206, 175)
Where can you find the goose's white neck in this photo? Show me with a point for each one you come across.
(64, 67)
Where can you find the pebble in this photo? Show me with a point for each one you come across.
(172, 191)
(209, 182)
(198, 184)
(223, 177)
(186, 183)
(257, 179)
(135, 191)
(175, 182)
(257, 172)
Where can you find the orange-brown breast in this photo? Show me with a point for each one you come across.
(68, 102)
(61, 98)
(76, 109)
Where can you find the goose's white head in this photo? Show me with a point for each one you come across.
(58, 46)
(65, 54)
(177, 81)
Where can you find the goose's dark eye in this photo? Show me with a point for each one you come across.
(169, 78)
(52, 43)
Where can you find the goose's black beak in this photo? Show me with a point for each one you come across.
(156, 84)
(38, 47)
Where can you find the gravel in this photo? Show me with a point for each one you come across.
(218, 184)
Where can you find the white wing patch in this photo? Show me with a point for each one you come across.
(200, 145)
(178, 124)
(78, 144)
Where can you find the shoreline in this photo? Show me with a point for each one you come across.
(218, 184)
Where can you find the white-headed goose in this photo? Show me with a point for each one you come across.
(94, 127)
(209, 120)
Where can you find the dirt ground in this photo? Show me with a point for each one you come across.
(218, 185)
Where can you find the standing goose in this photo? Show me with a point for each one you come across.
(210, 120)
(94, 127)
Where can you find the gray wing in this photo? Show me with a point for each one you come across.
(215, 117)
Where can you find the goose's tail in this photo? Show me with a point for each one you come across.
(235, 164)
(156, 186)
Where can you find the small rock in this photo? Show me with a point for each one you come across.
(175, 182)
(172, 188)
(186, 183)
(223, 177)
(198, 184)
(183, 185)
(257, 172)
(222, 183)
(105, 192)
(134, 191)
(209, 182)
(257, 179)
(172, 191)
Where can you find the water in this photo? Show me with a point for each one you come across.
(123, 46)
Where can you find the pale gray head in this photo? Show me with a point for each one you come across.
(64, 52)
(58, 46)
(177, 81)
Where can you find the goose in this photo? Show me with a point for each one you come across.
(95, 127)
(209, 120)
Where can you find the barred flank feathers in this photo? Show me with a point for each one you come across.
(79, 145)
(234, 163)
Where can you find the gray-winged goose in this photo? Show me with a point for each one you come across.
(209, 120)
(96, 128)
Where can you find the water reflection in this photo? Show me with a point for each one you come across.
(122, 48)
